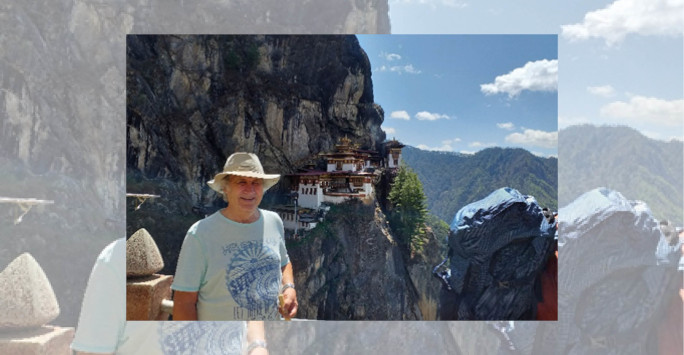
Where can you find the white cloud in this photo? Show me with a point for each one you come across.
(411, 70)
(388, 130)
(429, 116)
(399, 69)
(455, 4)
(541, 75)
(506, 125)
(400, 115)
(468, 152)
(642, 109)
(477, 144)
(533, 137)
(443, 148)
(408, 68)
(604, 90)
(617, 20)
(391, 56)
(451, 141)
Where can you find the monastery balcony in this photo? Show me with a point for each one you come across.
(350, 194)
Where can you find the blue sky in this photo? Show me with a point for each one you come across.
(619, 62)
(463, 93)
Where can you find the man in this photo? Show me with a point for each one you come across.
(103, 329)
(233, 264)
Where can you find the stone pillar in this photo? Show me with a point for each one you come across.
(27, 304)
(145, 289)
(144, 297)
(44, 340)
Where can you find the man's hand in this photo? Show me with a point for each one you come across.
(256, 333)
(258, 351)
(289, 307)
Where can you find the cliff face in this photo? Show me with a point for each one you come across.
(265, 16)
(419, 268)
(350, 267)
(62, 118)
(61, 139)
(194, 100)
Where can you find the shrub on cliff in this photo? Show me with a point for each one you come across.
(408, 212)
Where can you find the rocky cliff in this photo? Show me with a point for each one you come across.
(62, 117)
(61, 139)
(194, 100)
(261, 17)
(351, 268)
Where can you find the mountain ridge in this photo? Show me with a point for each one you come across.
(622, 159)
(469, 178)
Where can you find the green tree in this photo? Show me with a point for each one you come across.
(409, 211)
(441, 230)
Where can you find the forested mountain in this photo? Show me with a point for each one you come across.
(453, 180)
(622, 159)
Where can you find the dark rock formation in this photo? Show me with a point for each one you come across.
(618, 281)
(350, 267)
(498, 247)
(419, 266)
(194, 100)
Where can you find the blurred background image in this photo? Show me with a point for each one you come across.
(619, 87)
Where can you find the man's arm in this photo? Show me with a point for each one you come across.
(256, 338)
(184, 305)
(103, 311)
(289, 308)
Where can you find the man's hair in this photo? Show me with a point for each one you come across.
(225, 182)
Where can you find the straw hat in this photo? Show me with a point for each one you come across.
(243, 164)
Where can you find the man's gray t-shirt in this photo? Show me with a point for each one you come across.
(235, 267)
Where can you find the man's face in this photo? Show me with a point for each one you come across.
(243, 193)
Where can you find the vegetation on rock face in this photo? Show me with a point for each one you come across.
(440, 230)
(409, 210)
(241, 57)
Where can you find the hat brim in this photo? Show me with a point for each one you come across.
(269, 179)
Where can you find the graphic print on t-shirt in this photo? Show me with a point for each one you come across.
(253, 278)
(201, 337)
